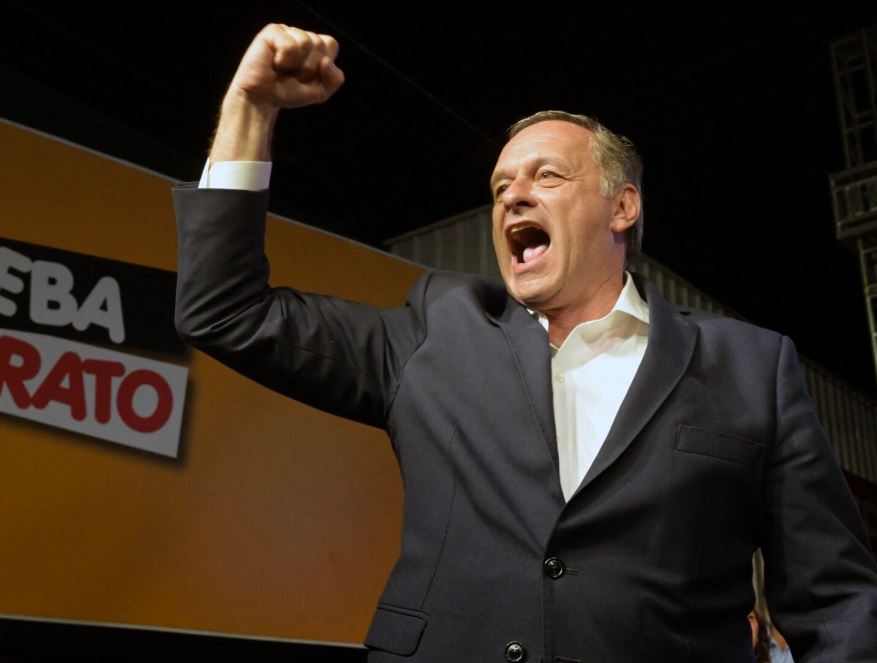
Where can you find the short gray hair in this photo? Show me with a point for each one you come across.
(615, 155)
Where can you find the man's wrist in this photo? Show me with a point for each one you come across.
(244, 131)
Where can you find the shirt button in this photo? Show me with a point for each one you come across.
(515, 652)
(559, 379)
(554, 568)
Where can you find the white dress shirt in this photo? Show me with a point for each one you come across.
(244, 175)
(591, 373)
(592, 369)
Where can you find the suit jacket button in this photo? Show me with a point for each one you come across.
(515, 652)
(554, 568)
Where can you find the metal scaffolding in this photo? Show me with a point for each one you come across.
(854, 190)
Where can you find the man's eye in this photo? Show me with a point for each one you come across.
(547, 174)
(501, 189)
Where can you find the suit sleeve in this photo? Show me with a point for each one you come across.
(821, 580)
(342, 357)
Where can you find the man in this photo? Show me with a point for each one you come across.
(587, 469)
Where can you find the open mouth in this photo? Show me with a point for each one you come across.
(528, 242)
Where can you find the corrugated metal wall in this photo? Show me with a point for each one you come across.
(464, 243)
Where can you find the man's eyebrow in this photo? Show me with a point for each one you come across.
(498, 175)
(536, 164)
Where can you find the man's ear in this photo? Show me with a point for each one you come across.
(626, 208)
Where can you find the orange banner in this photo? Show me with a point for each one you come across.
(273, 519)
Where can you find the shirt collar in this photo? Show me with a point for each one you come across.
(629, 301)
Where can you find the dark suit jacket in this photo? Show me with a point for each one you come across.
(716, 450)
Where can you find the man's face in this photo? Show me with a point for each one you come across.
(557, 239)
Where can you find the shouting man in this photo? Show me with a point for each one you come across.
(588, 469)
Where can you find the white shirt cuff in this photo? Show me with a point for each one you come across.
(246, 175)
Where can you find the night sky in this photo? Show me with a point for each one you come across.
(734, 112)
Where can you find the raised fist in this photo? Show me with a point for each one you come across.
(286, 67)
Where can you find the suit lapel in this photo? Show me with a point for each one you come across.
(671, 344)
(528, 343)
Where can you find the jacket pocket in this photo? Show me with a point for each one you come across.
(705, 442)
(395, 630)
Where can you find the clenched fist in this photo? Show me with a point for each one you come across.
(286, 67)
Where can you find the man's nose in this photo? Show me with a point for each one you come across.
(519, 193)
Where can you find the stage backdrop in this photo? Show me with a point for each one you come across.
(142, 482)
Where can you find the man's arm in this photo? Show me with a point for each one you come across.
(284, 67)
(339, 356)
(821, 577)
